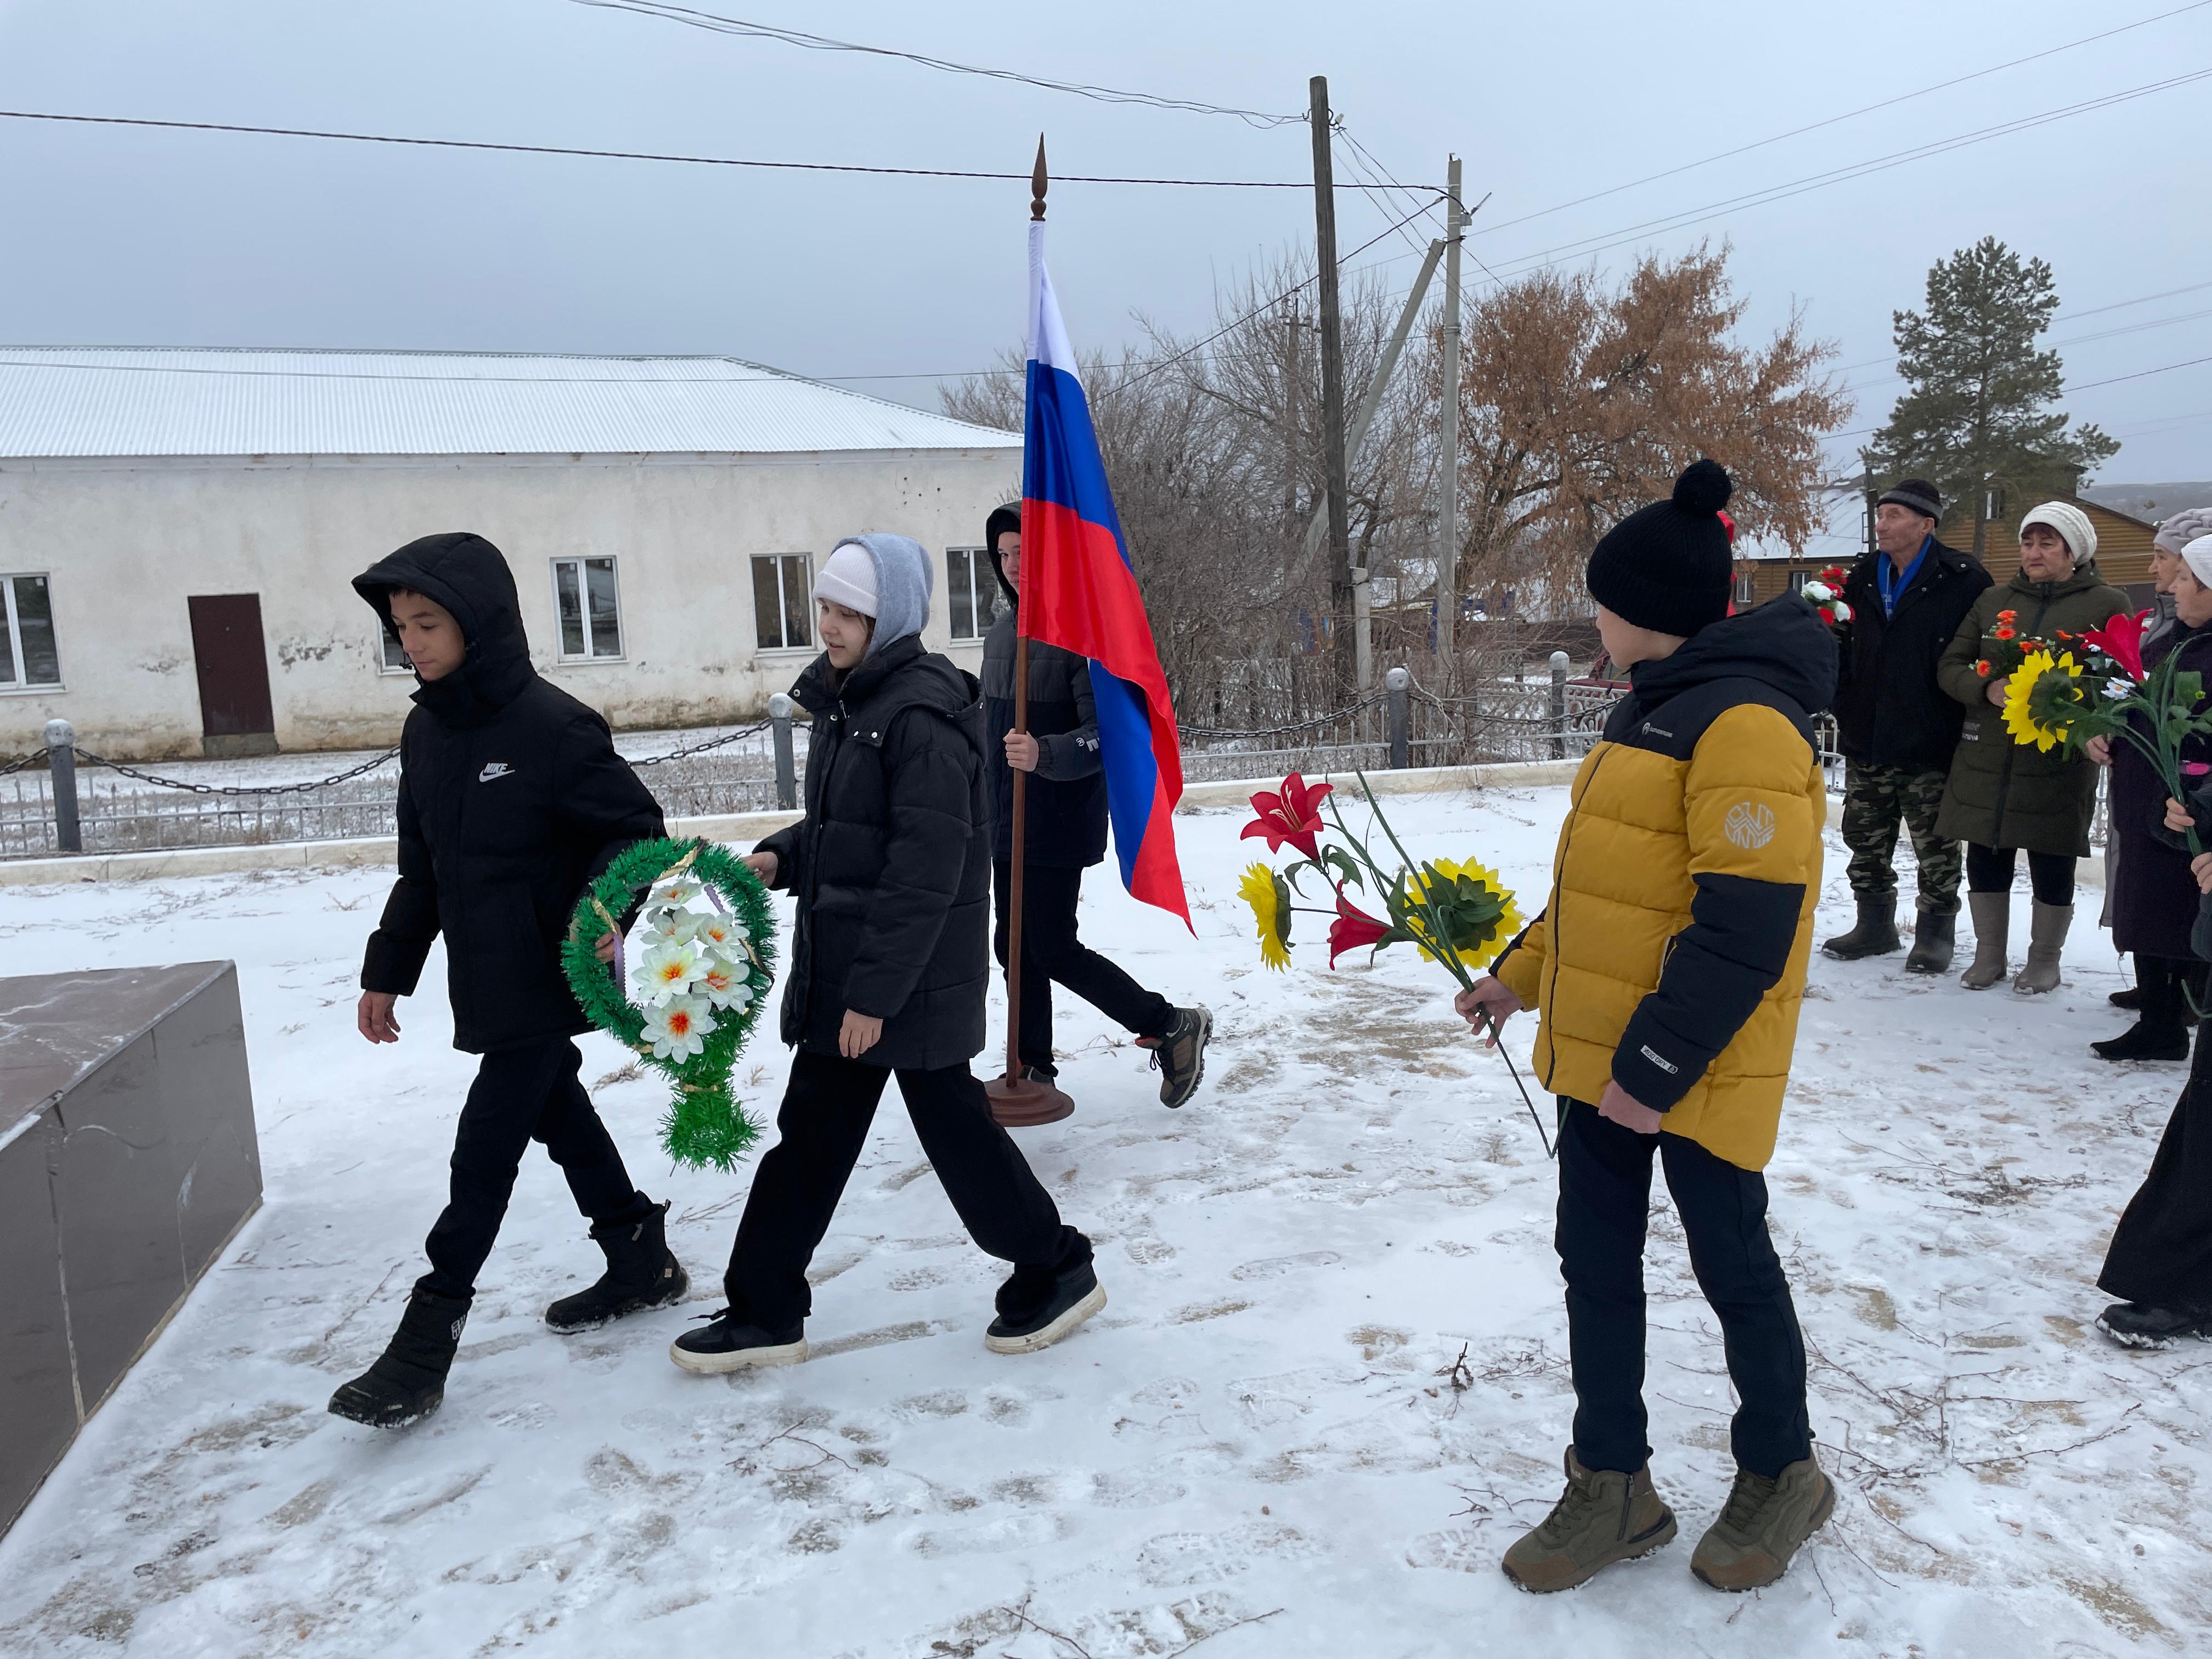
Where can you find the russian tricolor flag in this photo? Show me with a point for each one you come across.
(1079, 593)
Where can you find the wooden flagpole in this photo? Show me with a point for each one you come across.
(1019, 1102)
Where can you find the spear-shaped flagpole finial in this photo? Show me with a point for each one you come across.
(1037, 182)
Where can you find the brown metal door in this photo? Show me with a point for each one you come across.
(233, 664)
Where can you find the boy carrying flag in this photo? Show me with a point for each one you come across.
(1668, 969)
(512, 800)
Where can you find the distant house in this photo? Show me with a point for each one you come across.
(179, 528)
(2123, 553)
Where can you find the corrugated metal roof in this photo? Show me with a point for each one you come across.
(123, 401)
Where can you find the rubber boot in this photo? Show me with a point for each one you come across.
(2160, 1031)
(408, 1381)
(2046, 936)
(1992, 914)
(1934, 939)
(642, 1272)
(1876, 934)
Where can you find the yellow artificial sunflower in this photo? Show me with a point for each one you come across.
(2019, 691)
(1262, 890)
(1480, 916)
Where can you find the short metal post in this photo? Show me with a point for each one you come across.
(786, 769)
(1396, 680)
(1559, 705)
(61, 770)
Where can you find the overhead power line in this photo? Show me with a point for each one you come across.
(649, 156)
(2071, 387)
(1848, 115)
(789, 37)
(1600, 243)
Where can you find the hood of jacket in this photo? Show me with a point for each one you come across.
(1002, 519)
(468, 576)
(904, 581)
(1783, 643)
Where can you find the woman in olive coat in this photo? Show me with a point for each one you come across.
(2003, 796)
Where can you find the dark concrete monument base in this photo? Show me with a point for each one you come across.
(127, 1161)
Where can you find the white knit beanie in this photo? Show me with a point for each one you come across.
(2197, 555)
(849, 578)
(2073, 527)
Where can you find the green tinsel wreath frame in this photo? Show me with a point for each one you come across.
(705, 1126)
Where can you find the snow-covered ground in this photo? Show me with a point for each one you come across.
(1329, 1388)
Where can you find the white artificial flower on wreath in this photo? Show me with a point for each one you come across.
(1842, 611)
(675, 895)
(722, 982)
(1818, 592)
(2117, 688)
(670, 926)
(718, 933)
(668, 971)
(677, 1030)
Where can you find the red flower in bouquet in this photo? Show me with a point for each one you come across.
(1291, 817)
(1353, 928)
(2121, 639)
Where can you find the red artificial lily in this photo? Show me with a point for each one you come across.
(1293, 816)
(2121, 639)
(1353, 928)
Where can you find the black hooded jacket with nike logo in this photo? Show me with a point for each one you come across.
(511, 800)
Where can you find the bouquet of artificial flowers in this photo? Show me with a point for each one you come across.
(1825, 592)
(1459, 914)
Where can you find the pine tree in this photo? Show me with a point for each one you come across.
(1977, 419)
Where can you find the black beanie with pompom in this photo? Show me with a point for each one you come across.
(1666, 567)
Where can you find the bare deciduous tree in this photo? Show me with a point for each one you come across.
(1579, 404)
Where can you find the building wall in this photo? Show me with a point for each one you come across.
(126, 542)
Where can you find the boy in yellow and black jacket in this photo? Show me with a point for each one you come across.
(1668, 969)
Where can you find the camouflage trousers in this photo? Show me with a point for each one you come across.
(1877, 800)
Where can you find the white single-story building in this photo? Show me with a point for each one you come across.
(179, 530)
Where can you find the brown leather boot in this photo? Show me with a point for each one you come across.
(1603, 1516)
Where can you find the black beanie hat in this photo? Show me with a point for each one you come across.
(1916, 495)
(1002, 519)
(1666, 567)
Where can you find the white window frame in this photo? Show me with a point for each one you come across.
(13, 625)
(982, 583)
(805, 647)
(588, 657)
(1746, 587)
(387, 644)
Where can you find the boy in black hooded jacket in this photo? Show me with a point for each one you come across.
(512, 800)
(1065, 835)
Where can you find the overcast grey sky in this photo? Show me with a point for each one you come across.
(116, 236)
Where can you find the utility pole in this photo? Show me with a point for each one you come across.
(1447, 439)
(1332, 380)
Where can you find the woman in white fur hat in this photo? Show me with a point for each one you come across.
(2001, 796)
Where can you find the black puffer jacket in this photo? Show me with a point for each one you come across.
(512, 799)
(1065, 807)
(1889, 709)
(892, 866)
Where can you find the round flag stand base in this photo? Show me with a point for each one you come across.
(1023, 1102)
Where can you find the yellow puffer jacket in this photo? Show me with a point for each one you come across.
(1671, 957)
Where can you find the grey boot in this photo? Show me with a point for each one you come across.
(1992, 914)
(2046, 936)
(1933, 938)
